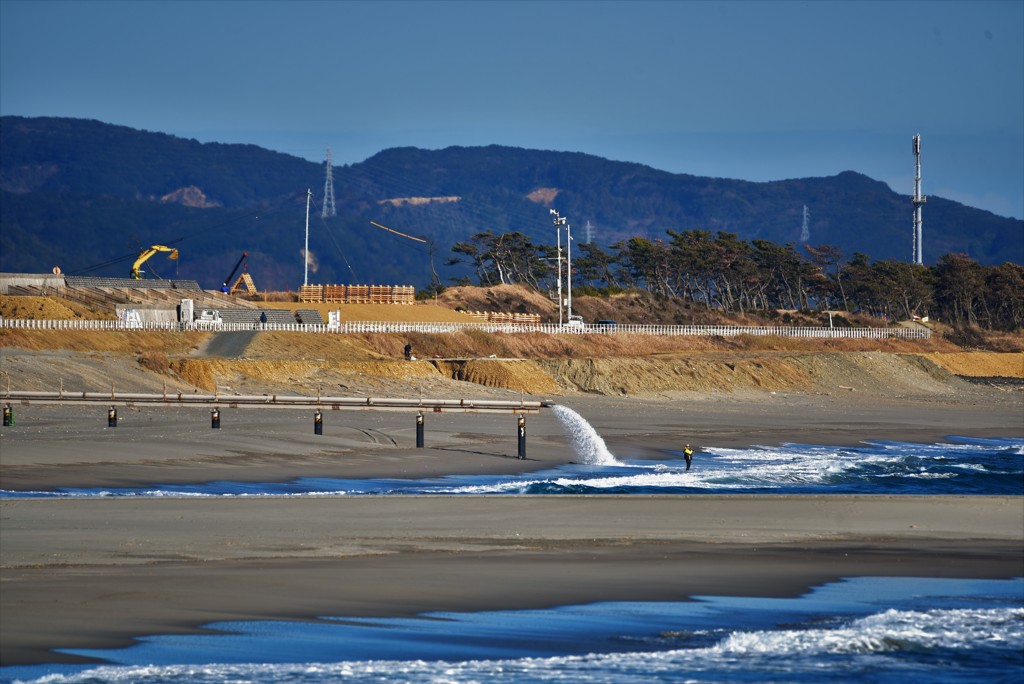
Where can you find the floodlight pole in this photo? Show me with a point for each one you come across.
(305, 252)
(558, 232)
(558, 222)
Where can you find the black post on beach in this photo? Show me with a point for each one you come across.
(215, 419)
(522, 435)
(419, 430)
(112, 417)
(318, 423)
(8, 415)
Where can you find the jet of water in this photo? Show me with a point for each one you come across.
(587, 444)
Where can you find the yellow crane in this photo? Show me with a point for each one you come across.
(146, 254)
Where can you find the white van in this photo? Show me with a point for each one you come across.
(575, 324)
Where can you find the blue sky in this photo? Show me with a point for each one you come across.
(753, 90)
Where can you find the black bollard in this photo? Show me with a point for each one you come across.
(8, 415)
(318, 423)
(522, 436)
(112, 417)
(419, 430)
(215, 419)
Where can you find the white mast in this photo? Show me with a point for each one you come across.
(305, 252)
(559, 259)
(559, 221)
(568, 267)
(918, 200)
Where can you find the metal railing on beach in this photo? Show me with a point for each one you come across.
(273, 401)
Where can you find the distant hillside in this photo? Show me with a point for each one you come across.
(87, 196)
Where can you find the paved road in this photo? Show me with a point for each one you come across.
(230, 345)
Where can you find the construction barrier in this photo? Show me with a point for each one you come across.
(358, 294)
(311, 293)
(503, 317)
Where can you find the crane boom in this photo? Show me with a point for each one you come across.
(430, 251)
(398, 233)
(136, 274)
(235, 269)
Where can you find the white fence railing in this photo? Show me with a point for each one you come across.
(451, 327)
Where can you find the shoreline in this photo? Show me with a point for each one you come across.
(95, 573)
(101, 571)
(71, 446)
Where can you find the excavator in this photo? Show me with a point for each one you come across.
(244, 279)
(136, 274)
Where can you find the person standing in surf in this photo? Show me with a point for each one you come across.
(688, 455)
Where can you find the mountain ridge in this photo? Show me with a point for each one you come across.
(78, 193)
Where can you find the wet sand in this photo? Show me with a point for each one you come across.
(96, 572)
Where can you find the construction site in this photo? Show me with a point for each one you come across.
(479, 363)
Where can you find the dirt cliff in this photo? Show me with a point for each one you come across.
(297, 363)
(474, 363)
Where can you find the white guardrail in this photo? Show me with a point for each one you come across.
(450, 327)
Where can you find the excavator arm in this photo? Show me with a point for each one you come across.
(235, 269)
(136, 274)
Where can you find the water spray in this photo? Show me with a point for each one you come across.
(588, 445)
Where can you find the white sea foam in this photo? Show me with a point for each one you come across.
(587, 444)
(889, 642)
(796, 651)
(892, 630)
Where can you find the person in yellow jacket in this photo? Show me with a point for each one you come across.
(688, 455)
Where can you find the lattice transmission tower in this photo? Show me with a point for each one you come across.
(328, 209)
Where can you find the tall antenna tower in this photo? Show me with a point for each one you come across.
(805, 228)
(328, 209)
(918, 199)
(590, 232)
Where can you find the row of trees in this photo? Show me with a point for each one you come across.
(733, 275)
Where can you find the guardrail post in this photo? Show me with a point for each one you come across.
(521, 423)
(318, 423)
(419, 430)
(215, 419)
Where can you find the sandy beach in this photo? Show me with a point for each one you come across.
(97, 572)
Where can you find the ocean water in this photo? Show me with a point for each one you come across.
(861, 629)
(960, 466)
(873, 629)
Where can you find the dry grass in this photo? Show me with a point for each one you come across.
(499, 298)
(155, 361)
(124, 341)
(981, 364)
(196, 372)
(47, 308)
